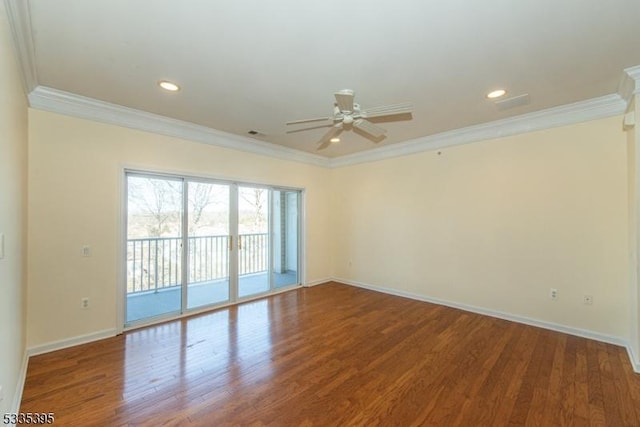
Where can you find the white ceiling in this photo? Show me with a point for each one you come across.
(253, 65)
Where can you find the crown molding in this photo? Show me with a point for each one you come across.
(61, 102)
(19, 17)
(57, 101)
(629, 83)
(592, 109)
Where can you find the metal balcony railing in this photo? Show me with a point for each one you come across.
(155, 263)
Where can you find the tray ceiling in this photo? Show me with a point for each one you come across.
(251, 65)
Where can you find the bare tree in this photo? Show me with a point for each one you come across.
(199, 200)
(158, 200)
(255, 197)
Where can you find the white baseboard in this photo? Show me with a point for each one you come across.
(633, 357)
(597, 336)
(317, 282)
(70, 342)
(22, 376)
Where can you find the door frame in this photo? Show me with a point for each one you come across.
(121, 293)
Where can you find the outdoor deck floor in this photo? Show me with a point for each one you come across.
(143, 305)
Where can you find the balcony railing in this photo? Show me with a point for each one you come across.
(155, 263)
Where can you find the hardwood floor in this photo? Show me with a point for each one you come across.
(336, 355)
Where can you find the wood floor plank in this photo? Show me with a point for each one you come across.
(336, 355)
(521, 408)
(552, 413)
(567, 384)
(628, 378)
(611, 402)
(596, 396)
(498, 390)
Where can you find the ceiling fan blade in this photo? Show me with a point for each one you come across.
(295, 122)
(369, 128)
(388, 110)
(325, 141)
(324, 145)
(310, 128)
(344, 98)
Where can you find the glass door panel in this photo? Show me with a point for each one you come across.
(208, 257)
(154, 247)
(253, 241)
(285, 238)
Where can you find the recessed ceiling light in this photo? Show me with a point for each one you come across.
(334, 140)
(496, 93)
(167, 85)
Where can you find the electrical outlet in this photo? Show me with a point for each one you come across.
(84, 302)
(587, 299)
(86, 251)
(553, 293)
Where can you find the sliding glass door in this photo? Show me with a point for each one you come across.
(285, 238)
(253, 241)
(154, 246)
(208, 256)
(194, 243)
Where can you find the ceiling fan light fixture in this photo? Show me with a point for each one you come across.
(168, 86)
(334, 140)
(496, 93)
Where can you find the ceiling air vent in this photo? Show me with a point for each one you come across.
(515, 101)
(256, 134)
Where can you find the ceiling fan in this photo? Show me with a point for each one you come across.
(348, 114)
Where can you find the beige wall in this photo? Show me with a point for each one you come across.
(496, 224)
(75, 199)
(493, 224)
(13, 211)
